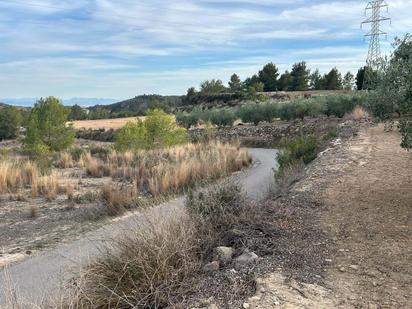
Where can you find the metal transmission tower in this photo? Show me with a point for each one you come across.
(375, 17)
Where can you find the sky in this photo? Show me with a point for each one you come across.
(122, 48)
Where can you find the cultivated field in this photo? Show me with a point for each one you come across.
(103, 123)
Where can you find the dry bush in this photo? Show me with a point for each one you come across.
(224, 216)
(117, 200)
(65, 160)
(145, 268)
(359, 113)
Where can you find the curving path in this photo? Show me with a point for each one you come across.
(44, 274)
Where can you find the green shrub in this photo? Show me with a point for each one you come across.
(340, 105)
(156, 131)
(221, 117)
(187, 120)
(255, 113)
(303, 148)
(301, 108)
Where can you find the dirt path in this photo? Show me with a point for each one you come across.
(364, 187)
(368, 212)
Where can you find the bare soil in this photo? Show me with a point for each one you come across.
(364, 189)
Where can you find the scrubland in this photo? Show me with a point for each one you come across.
(49, 199)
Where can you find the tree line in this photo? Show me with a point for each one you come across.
(268, 79)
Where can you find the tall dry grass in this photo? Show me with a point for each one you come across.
(16, 176)
(169, 170)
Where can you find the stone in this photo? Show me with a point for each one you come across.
(213, 306)
(213, 266)
(342, 269)
(354, 267)
(246, 258)
(246, 306)
(224, 254)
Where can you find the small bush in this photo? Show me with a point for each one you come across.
(302, 148)
(145, 268)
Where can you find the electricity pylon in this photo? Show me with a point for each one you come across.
(375, 17)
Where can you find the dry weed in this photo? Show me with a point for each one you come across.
(359, 113)
(145, 268)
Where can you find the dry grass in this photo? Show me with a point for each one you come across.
(145, 268)
(359, 113)
(103, 123)
(171, 170)
(117, 200)
(17, 175)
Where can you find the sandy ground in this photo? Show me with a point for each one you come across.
(365, 189)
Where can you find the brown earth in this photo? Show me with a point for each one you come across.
(364, 187)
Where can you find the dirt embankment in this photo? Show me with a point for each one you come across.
(364, 189)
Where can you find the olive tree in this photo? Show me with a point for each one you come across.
(393, 94)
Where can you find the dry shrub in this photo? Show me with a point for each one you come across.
(117, 200)
(94, 167)
(65, 160)
(224, 216)
(145, 268)
(359, 113)
(33, 212)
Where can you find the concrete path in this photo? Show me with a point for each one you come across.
(44, 274)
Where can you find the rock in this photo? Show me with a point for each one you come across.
(342, 269)
(246, 306)
(246, 258)
(213, 306)
(354, 267)
(224, 254)
(213, 266)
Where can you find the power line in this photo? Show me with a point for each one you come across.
(375, 19)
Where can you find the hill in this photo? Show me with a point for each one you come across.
(139, 104)
(4, 105)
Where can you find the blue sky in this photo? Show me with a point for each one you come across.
(119, 49)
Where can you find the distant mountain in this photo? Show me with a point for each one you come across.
(139, 104)
(4, 104)
(69, 102)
